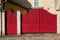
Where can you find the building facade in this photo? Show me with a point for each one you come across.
(42, 3)
(50, 5)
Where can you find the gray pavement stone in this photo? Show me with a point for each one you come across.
(2, 38)
(32, 37)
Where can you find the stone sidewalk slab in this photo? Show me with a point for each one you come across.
(32, 37)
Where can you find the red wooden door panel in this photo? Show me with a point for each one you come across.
(30, 22)
(11, 23)
(48, 22)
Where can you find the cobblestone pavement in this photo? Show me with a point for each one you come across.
(32, 37)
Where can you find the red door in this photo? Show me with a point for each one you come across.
(11, 24)
(30, 22)
(39, 21)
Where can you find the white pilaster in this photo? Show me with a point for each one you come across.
(0, 23)
(58, 22)
(18, 23)
(3, 23)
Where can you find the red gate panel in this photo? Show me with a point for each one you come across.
(30, 22)
(11, 23)
(48, 21)
(40, 21)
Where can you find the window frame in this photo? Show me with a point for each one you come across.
(36, 3)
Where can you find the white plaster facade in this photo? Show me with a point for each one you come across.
(46, 4)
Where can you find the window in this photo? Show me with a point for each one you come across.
(57, 5)
(36, 3)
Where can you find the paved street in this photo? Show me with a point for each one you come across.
(32, 37)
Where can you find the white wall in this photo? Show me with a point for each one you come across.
(32, 2)
(0, 23)
(44, 3)
(58, 5)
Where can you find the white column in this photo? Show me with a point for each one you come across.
(3, 23)
(58, 22)
(0, 23)
(18, 23)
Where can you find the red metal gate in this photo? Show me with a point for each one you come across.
(30, 22)
(36, 21)
(48, 21)
(39, 21)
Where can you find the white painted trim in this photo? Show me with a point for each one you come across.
(58, 22)
(18, 23)
(0, 23)
(3, 23)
